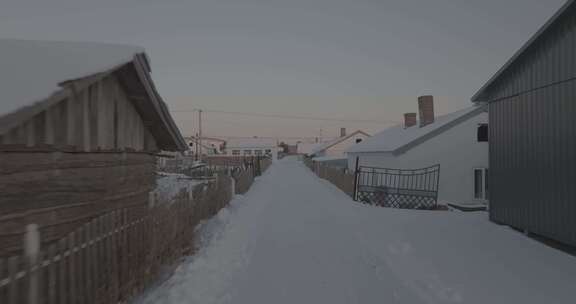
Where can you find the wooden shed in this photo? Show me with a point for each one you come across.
(80, 125)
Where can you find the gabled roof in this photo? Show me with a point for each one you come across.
(251, 142)
(399, 139)
(307, 148)
(479, 96)
(35, 74)
(338, 140)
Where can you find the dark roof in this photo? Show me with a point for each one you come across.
(543, 31)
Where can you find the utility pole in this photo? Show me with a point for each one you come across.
(200, 134)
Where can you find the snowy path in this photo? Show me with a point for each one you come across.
(296, 239)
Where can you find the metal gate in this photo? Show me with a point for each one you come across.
(397, 188)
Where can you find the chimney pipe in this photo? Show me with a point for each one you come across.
(426, 110)
(410, 119)
(342, 132)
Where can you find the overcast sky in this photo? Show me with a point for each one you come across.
(355, 59)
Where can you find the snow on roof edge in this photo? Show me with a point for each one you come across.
(397, 137)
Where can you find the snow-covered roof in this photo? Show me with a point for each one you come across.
(307, 148)
(328, 158)
(397, 137)
(338, 140)
(251, 142)
(31, 71)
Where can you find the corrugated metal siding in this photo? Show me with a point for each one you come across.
(533, 161)
(533, 137)
(550, 60)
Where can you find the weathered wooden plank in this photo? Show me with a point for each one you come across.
(14, 283)
(70, 121)
(115, 251)
(3, 275)
(63, 295)
(91, 265)
(72, 267)
(30, 133)
(52, 275)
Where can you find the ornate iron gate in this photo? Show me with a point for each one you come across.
(397, 188)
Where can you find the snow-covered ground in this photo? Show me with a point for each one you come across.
(294, 238)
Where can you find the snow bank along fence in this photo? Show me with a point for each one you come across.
(114, 256)
(337, 176)
(394, 188)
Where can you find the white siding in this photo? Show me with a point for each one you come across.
(338, 149)
(456, 150)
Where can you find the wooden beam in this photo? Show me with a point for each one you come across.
(70, 125)
(49, 126)
(30, 136)
(86, 120)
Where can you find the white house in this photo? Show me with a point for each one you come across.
(306, 148)
(336, 148)
(457, 141)
(254, 146)
(209, 145)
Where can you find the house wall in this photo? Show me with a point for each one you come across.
(456, 150)
(100, 117)
(274, 151)
(85, 155)
(533, 137)
(59, 191)
(339, 149)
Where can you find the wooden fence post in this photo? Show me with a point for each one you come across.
(232, 186)
(31, 251)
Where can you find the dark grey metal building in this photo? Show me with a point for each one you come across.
(532, 105)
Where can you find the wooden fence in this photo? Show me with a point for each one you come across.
(337, 176)
(113, 257)
(245, 178)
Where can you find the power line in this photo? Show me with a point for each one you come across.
(270, 115)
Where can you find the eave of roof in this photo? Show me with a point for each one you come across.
(337, 141)
(403, 148)
(479, 96)
(142, 67)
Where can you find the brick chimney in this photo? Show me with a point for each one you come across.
(426, 110)
(410, 119)
(342, 132)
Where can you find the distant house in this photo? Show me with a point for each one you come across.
(209, 145)
(252, 146)
(336, 148)
(306, 148)
(80, 124)
(457, 141)
(532, 104)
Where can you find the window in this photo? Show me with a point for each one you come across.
(258, 152)
(482, 134)
(358, 140)
(268, 151)
(235, 152)
(247, 152)
(481, 184)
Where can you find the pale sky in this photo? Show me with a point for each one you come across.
(352, 60)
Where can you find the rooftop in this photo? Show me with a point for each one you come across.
(31, 71)
(398, 136)
(251, 142)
